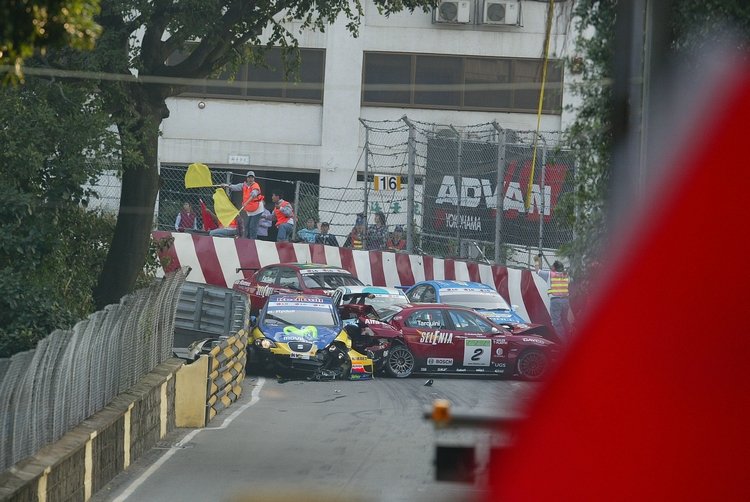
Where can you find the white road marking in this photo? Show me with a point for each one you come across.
(254, 398)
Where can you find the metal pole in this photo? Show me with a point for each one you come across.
(367, 169)
(296, 209)
(412, 154)
(541, 192)
(499, 192)
(458, 189)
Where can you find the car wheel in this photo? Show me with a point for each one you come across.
(532, 365)
(400, 362)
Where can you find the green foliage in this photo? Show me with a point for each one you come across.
(35, 25)
(51, 248)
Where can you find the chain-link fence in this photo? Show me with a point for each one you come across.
(439, 183)
(74, 373)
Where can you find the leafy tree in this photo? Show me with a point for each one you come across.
(51, 248)
(33, 26)
(227, 30)
(696, 24)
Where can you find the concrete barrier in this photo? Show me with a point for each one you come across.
(90, 455)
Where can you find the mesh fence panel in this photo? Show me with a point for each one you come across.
(72, 374)
(454, 197)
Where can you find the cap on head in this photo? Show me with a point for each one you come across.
(250, 173)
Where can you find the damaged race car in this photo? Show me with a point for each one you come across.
(303, 334)
(436, 338)
(356, 301)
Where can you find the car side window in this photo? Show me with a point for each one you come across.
(288, 278)
(415, 293)
(429, 295)
(427, 318)
(268, 275)
(468, 322)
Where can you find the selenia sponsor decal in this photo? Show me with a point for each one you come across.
(477, 352)
(439, 361)
(435, 337)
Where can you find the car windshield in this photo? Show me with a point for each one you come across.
(481, 299)
(300, 313)
(330, 281)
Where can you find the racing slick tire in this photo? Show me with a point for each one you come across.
(400, 362)
(533, 364)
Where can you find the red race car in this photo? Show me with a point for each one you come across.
(436, 338)
(293, 278)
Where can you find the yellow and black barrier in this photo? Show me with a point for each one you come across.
(226, 370)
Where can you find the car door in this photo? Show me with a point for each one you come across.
(428, 337)
(481, 348)
(265, 279)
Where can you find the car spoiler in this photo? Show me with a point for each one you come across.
(254, 269)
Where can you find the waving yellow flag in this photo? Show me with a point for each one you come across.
(223, 207)
(198, 176)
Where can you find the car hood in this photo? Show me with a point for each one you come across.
(321, 336)
(500, 316)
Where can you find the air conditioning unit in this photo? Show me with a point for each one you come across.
(453, 11)
(500, 12)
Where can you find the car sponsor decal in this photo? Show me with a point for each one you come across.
(500, 341)
(295, 355)
(313, 271)
(499, 352)
(434, 337)
(534, 340)
(293, 333)
(428, 324)
(264, 290)
(299, 299)
(439, 361)
(477, 352)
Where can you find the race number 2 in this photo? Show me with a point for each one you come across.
(477, 352)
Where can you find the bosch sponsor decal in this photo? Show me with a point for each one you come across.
(435, 337)
(477, 352)
(439, 361)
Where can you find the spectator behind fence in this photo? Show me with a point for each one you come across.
(186, 219)
(559, 305)
(396, 242)
(324, 237)
(377, 233)
(284, 215)
(264, 224)
(356, 239)
(309, 233)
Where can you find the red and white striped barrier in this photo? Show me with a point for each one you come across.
(215, 260)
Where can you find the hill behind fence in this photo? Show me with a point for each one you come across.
(74, 373)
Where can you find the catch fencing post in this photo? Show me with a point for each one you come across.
(296, 208)
(541, 193)
(458, 190)
(499, 193)
(367, 165)
(411, 159)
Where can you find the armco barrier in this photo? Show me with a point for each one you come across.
(215, 260)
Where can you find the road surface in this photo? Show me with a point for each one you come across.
(297, 440)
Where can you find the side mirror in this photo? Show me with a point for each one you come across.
(495, 330)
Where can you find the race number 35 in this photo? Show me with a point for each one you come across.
(387, 182)
(477, 352)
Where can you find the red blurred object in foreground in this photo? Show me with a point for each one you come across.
(655, 406)
(208, 221)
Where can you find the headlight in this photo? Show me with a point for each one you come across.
(265, 343)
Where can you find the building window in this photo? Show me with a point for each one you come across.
(266, 83)
(460, 82)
